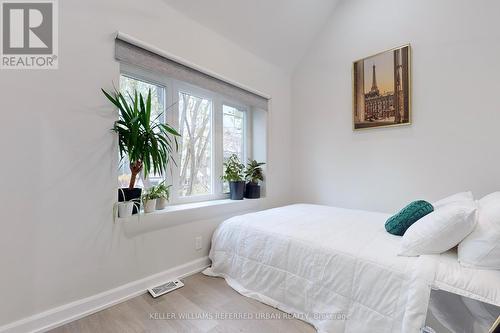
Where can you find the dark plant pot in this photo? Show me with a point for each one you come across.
(131, 195)
(252, 191)
(236, 190)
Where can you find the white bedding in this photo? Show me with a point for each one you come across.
(335, 268)
(480, 284)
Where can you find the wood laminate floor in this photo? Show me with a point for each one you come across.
(208, 301)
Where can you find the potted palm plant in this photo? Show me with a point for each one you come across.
(254, 175)
(148, 144)
(234, 174)
(163, 195)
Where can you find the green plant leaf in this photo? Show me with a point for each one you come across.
(141, 138)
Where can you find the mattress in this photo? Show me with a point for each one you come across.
(337, 269)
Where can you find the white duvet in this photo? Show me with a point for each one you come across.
(335, 268)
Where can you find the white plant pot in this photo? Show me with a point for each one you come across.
(149, 205)
(125, 209)
(161, 203)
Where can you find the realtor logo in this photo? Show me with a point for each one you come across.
(29, 34)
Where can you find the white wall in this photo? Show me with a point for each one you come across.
(58, 242)
(453, 142)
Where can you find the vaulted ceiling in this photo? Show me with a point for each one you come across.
(279, 31)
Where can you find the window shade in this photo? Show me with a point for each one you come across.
(138, 56)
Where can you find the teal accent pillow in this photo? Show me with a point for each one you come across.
(399, 223)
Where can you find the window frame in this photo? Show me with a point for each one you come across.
(172, 88)
(178, 88)
(247, 130)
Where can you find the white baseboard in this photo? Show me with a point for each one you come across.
(61, 315)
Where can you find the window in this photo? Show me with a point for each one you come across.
(195, 125)
(233, 131)
(212, 127)
(233, 121)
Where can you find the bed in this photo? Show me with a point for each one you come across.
(337, 269)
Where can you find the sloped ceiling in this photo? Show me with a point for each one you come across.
(279, 31)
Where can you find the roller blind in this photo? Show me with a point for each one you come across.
(136, 55)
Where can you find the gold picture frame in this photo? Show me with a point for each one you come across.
(388, 101)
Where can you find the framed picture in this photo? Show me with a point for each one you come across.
(381, 89)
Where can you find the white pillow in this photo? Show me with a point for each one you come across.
(440, 230)
(481, 249)
(458, 197)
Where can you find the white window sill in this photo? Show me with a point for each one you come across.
(196, 205)
(189, 212)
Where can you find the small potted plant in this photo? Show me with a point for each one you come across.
(149, 200)
(163, 195)
(253, 175)
(147, 143)
(125, 208)
(234, 174)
